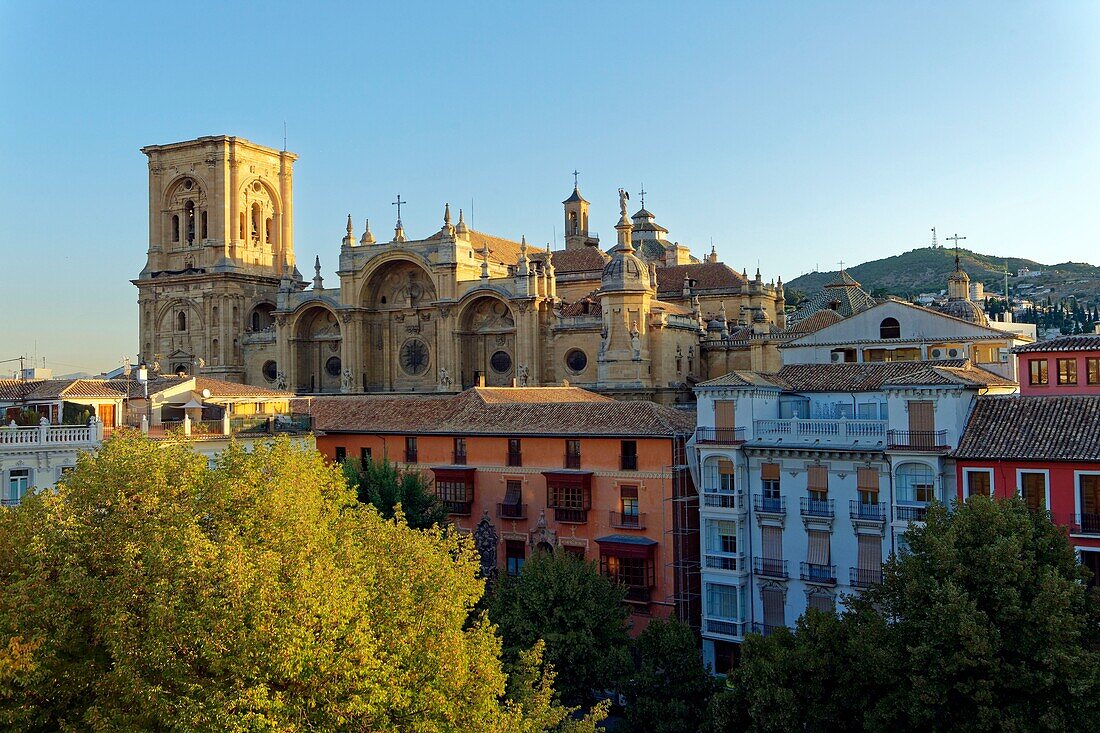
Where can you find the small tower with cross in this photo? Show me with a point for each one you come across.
(576, 218)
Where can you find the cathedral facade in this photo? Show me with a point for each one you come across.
(220, 294)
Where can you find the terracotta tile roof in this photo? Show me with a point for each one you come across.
(219, 388)
(815, 322)
(586, 306)
(866, 377)
(1064, 428)
(707, 276)
(1080, 342)
(844, 292)
(496, 411)
(504, 251)
(61, 389)
(582, 259)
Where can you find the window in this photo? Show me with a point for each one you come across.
(570, 501)
(175, 228)
(773, 601)
(628, 456)
(1091, 560)
(867, 411)
(916, 483)
(341, 454)
(515, 456)
(189, 217)
(1037, 372)
(636, 573)
(515, 553)
(820, 602)
(868, 568)
(19, 481)
(512, 506)
(572, 454)
(978, 483)
(267, 230)
(1090, 503)
(1067, 371)
(256, 222)
(365, 456)
(769, 479)
(726, 478)
(204, 228)
(1033, 488)
(410, 450)
(460, 451)
(725, 421)
(889, 329)
(1092, 371)
(818, 483)
(722, 536)
(575, 551)
(628, 496)
(455, 494)
(867, 485)
(181, 321)
(722, 601)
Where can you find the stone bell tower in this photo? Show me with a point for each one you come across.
(220, 239)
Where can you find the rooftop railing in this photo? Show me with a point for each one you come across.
(833, 430)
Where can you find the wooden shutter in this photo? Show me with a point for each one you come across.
(1033, 487)
(818, 479)
(773, 607)
(628, 492)
(725, 466)
(817, 548)
(821, 602)
(870, 552)
(977, 482)
(1090, 494)
(769, 471)
(867, 479)
(723, 413)
(771, 540)
(922, 423)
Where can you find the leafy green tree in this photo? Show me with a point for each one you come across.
(151, 592)
(578, 613)
(669, 691)
(381, 485)
(984, 624)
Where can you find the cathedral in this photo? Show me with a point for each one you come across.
(221, 295)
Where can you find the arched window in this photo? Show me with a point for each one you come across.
(255, 320)
(204, 230)
(189, 216)
(916, 483)
(214, 351)
(242, 225)
(572, 222)
(256, 216)
(175, 228)
(267, 230)
(181, 321)
(889, 329)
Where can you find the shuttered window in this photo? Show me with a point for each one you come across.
(817, 547)
(818, 483)
(977, 483)
(821, 602)
(867, 485)
(869, 552)
(1033, 487)
(723, 413)
(773, 607)
(513, 496)
(726, 481)
(769, 478)
(771, 542)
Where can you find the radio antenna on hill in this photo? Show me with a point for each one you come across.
(934, 245)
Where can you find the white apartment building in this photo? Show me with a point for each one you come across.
(809, 477)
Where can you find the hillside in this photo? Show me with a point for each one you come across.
(925, 270)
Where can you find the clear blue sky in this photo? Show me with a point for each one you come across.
(793, 134)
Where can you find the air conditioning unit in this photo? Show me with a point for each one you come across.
(953, 353)
(1004, 356)
(937, 353)
(837, 356)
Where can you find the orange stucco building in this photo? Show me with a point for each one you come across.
(549, 467)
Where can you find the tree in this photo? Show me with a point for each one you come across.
(578, 613)
(153, 592)
(381, 485)
(984, 624)
(669, 691)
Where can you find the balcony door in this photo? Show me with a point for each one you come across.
(724, 420)
(922, 423)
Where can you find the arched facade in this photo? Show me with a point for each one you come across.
(486, 340)
(317, 343)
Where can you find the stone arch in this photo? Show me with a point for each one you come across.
(316, 340)
(261, 317)
(184, 207)
(486, 341)
(397, 283)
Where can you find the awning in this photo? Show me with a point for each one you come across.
(621, 545)
(567, 477)
(454, 473)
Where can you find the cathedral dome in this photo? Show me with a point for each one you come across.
(715, 325)
(625, 271)
(965, 309)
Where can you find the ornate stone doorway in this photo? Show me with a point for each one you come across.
(317, 341)
(486, 340)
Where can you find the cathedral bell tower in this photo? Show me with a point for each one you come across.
(576, 220)
(220, 240)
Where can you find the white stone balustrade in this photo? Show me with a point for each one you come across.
(840, 431)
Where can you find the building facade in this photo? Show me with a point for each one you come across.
(547, 468)
(220, 294)
(809, 478)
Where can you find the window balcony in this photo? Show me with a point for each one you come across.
(864, 577)
(628, 462)
(731, 561)
(928, 441)
(769, 504)
(458, 508)
(725, 627)
(512, 511)
(572, 460)
(765, 629)
(817, 507)
(570, 516)
(814, 573)
(716, 499)
(720, 436)
(1084, 524)
(833, 431)
(624, 520)
(864, 512)
(515, 458)
(768, 568)
(911, 512)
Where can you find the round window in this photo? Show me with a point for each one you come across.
(256, 186)
(332, 366)
(270, 371)
(413, 357)
(501, 362)
(576, 360)
(187, 184)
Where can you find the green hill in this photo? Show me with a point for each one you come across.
(925, 270)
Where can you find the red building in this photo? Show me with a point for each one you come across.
(1043, 445)
(549, 467)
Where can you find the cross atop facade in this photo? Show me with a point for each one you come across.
(398, 203)
(841, 263)
(956, 240)
(641, 195)
(576, 173)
